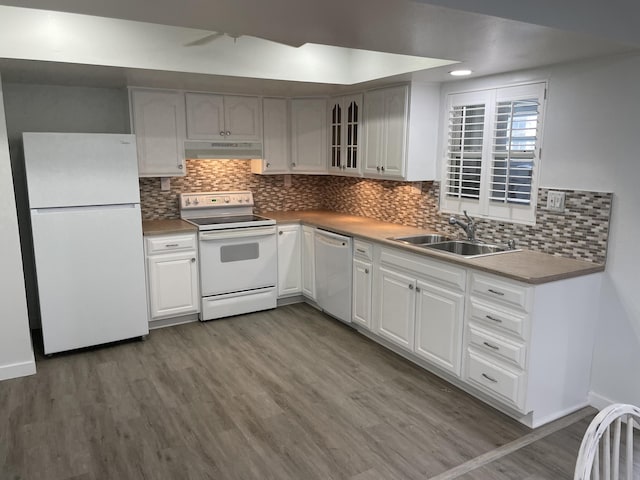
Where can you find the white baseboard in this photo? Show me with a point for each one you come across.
(16, 370)
(599, 401)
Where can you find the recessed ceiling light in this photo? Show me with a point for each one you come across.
(460, 73)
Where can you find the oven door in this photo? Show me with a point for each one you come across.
(237, 259)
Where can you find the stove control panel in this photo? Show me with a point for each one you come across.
(201, 200)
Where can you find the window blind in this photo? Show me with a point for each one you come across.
(464, 151)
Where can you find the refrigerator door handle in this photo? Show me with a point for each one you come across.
(89, 208)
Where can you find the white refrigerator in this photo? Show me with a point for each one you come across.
(87, 238)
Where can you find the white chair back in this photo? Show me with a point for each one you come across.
(600, 456)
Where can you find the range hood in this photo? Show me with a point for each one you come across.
(222, 150)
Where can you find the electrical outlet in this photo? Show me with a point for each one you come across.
(555, 201)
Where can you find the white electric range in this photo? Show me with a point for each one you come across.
(238, 253)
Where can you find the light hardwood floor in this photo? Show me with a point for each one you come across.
(282, 394)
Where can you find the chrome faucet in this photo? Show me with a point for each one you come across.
(469, 227)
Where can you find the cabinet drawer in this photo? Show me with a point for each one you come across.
(498, 381)
(170, 243)
(362, 249)
(504, 292)
(501, 347)
(504, 320)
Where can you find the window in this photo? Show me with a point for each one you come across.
(492, 152)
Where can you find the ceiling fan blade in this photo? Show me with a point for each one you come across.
(204, 40)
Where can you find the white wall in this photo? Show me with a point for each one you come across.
(16, 353)
(52, 108)
(591, 135)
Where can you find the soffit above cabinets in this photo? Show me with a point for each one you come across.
(83, 39)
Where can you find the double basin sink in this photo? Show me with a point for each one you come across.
(464, 248)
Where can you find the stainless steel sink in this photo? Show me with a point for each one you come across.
(420, 240)
(468, 249)
(463, 248)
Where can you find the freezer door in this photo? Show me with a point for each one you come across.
(90, 273)
(76, 169)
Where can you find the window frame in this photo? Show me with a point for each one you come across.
(484, 207)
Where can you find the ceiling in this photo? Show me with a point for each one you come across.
(486, 44)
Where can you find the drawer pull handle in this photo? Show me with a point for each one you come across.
(410, 287)
(193, 260)
(491, 346)
(169, 245)
(366, 270)
(493, 318)
(361, 250)
(496, 292)
(489, 378)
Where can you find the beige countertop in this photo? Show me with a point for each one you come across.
(163, 227)
(525, 266)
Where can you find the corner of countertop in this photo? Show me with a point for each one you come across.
(166, 226)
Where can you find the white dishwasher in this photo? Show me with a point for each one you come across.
(333, 274)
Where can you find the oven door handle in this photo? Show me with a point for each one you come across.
(238, 233)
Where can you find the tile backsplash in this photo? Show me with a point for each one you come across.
(269, 192)
(580, 232)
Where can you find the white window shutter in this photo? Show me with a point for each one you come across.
(463, 151)
(492, 152)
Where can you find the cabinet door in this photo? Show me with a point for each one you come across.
(439, 317)
(173, 284)
(205, 116)
(158, 119)
(374, 132)
(345, 132)
(276, 135)
(308, 262)
(395, 131)
(362, 293)
(309, 135)
(289, 268)
(335, 135)
(242, 118)
(397, 307)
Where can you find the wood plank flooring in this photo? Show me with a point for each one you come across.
(282, 394)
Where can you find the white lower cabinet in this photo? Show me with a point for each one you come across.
(396, 307)
(523, 348)
(289, 258)
(421, 307)
(172, 275)
(439, 320)
(308, 262)
(529, 346)
(362, 275)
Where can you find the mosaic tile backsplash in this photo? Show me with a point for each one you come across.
(580, 232)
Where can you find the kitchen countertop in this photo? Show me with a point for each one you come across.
(163, 227)
(525, 266)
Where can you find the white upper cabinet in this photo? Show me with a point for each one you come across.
(275, 139)
(309, 135)
(345, 132)
(401, 132)
(157, 119)
(223, 117)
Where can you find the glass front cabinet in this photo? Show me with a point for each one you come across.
(345, 129)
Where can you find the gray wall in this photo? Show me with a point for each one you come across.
(48, 108)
